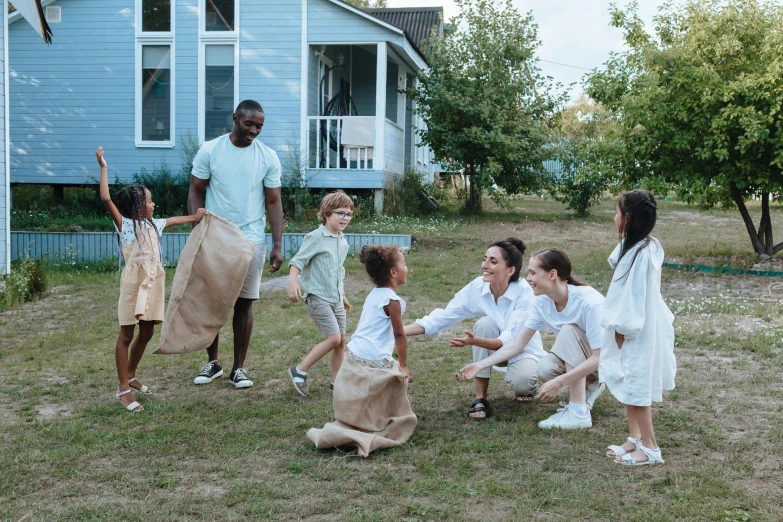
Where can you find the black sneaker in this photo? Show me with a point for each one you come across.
(209, 373)
(239, 379)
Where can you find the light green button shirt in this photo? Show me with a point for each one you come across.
(320, 260)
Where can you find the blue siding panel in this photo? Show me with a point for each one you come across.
(61, 247)
(327, 22)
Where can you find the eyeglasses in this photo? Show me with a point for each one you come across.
(343, 215)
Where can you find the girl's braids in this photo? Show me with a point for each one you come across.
(378, 261)
(132, 204)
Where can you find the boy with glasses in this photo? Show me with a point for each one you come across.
(320, 261)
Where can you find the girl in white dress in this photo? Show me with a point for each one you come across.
(637, 361)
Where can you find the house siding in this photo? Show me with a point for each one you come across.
(79, 93)
(327, 22)
(76, 94)
(270, 43)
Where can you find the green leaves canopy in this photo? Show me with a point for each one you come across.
(487, 108)
(700, 103)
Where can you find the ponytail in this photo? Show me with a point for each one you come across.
(556, 259)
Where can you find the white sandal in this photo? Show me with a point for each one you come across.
(144, 389)
(133, 407)
(619, 451)
(653, 457)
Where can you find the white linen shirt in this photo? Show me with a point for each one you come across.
(476, 300)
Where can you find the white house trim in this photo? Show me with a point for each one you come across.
(379, 152)
(163, 38)
(7, 138)
(214, 38)
(305, 75)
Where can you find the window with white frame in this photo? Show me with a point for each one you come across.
(219, 83)
(218, 87)
(154, 73)
(219, 15)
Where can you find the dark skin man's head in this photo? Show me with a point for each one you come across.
(247, 125)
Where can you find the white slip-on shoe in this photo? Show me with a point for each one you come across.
(566, 420)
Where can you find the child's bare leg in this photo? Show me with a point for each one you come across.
(577, 388)
(338, 354)
(482, 386)
(121, 359)
(331, 342)
(633, 428)
(146, 329)
(644, 426)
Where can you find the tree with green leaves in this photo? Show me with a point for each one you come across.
(700, 103)
(587, 151)
(488, 110)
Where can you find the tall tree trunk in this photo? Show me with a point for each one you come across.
(736, 196)
(474, 196)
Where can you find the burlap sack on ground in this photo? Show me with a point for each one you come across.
(209, 277)
(371, 409)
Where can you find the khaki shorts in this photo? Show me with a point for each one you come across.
(253, 278)
(328, 317)
(571, 347)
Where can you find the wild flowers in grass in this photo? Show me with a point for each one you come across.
(26, 282)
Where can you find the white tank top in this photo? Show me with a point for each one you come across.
(374, 337)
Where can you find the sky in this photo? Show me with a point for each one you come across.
(572, 32)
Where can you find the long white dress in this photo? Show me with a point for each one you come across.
(638, 373)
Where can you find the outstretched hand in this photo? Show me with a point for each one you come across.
(463, 341)
(548, 391)
(99, 157)
(469, 372)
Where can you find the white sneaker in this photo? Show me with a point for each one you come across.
(566, 419)
(593, 391)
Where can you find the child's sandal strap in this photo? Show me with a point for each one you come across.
(121, 393)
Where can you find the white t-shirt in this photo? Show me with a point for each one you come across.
(237, 178)
(374, 337)
(583, 309)
(128, 232)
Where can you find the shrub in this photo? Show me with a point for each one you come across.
(169, 191)
(26, 282)
(408, 195)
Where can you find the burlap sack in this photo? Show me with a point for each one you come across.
(371, 409)
(208, 280)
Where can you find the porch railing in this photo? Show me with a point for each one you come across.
(326, 150)
(394, 137)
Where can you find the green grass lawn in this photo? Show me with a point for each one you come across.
(70, 452)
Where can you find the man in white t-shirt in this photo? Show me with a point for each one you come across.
(240, 177)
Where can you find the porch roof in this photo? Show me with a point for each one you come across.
(416, 22)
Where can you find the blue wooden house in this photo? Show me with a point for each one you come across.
(139, 76)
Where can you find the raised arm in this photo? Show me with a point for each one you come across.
(274, 211)
(400, 340)
(104, 190)
(509, 350)
(413, 329)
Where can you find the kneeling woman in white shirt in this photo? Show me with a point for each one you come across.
(571, 310)
(502, 303)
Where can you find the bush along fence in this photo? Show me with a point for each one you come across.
(64, 247)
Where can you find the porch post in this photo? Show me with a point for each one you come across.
(379, 153)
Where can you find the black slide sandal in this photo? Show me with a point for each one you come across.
(485, 408)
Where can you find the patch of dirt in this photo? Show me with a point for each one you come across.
(50, 411)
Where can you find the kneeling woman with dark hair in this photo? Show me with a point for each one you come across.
(571, 310)
(502, 302)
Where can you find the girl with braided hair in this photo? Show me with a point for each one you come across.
(143, 279)
(637, 362)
